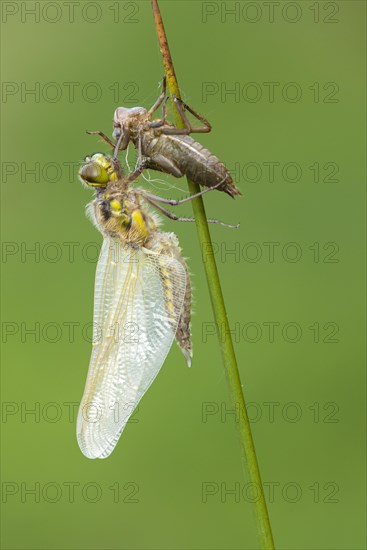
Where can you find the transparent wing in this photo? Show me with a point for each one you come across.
(133, 332)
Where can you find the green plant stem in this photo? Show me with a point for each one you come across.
(220, 314)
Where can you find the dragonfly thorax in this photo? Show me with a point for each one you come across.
(121, 214)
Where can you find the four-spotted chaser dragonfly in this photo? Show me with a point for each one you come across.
(142, 302)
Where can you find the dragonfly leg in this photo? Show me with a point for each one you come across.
(181, 107)
(167, 213)
(158, 103)
(163, 164)
(162, 121)
(136, 173)
(173, 202)
(103, 136)
(140, 155)
(175, 218)
(118, 145)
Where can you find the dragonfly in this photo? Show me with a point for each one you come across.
(142, 301)
(167, 148)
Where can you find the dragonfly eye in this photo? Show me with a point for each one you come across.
(94, 175)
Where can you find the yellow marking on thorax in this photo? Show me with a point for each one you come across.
(115, 205)
(139, 223)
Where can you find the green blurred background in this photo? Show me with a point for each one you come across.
(292, 277)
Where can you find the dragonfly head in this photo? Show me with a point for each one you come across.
(98, 171)
(125, 117)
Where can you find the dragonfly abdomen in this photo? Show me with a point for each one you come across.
(182, 155)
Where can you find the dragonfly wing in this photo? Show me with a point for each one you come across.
(134, 330)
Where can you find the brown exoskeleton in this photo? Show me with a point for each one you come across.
(169, 149)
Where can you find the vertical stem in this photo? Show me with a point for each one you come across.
(220, 314)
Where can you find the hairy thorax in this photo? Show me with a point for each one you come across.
(123, 215)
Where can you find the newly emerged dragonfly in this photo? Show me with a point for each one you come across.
(169, 149)
(142, 302)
